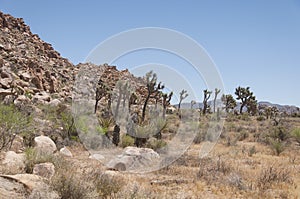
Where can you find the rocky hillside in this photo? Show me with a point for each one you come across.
(32, 71)
(30, 66)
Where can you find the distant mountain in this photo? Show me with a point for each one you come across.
(282, 108)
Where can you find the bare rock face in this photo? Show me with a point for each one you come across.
(14, 162)
(28, 61)
(54, 102)
(66, 152)
(18, 144)
(98, 157)
(44, 144)
(23, 186)
(133, 158)
(45, 170)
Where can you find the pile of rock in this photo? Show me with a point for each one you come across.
(29, 67)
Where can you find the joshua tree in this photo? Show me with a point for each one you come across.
(183, 95)
(217, 91)
(151, 88)
(101, 91)
(166, 102)
(124, 91)
(193, 102)
(252, 106)
(132, 99)
(205, 100)
(246, 97)
(270, 112)
(229, 102)
(157, 97)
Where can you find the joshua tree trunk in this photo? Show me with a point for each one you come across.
(144, 108)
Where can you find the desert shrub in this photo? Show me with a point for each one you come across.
(260, 118)
(61, 118)
(271, 175)
(230, 126)
(231, 117)
(277, 146)
(126, 140)
(296, 135)
(251, 151)
(69, 185)
(244, 116)
(200, 136)
(243, 135)
(12, 123)
(155, 144)
(279, 132)
(231, 141)
(34, 157)
(235, 180)
(213, 170)
(108, 185)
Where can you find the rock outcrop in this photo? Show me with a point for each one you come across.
(44, 144)
(28, 65)
(134, 159)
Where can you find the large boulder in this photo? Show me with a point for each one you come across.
(41, 97)
(23, 186)
(18, 144)
(134, 159)
(44, 144)
(13, 162)
(45, 170)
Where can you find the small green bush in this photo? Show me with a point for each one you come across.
(296, 135)
(200, 136)
(244, 116)
(260, 118)
(155, 144)
(251, 151)
(34, 157)
(277, 146)
(279, 133)
(12, 123)
(69, 185)
(126, 141)
(107, 186)
(243, 135)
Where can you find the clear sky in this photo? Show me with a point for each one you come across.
(253, 43)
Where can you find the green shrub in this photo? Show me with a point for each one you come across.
(69, 185)
(279, 133)
(155, 144)
(34, 157)
(251, 151)
(277, 146)
(244, 116)
(12, 123)
(260, 118)
(243, 135)
(105, 123)
(200, 136)
(126, 140)
(296, 135)
(107, 186)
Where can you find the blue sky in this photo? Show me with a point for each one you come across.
(253, 43)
